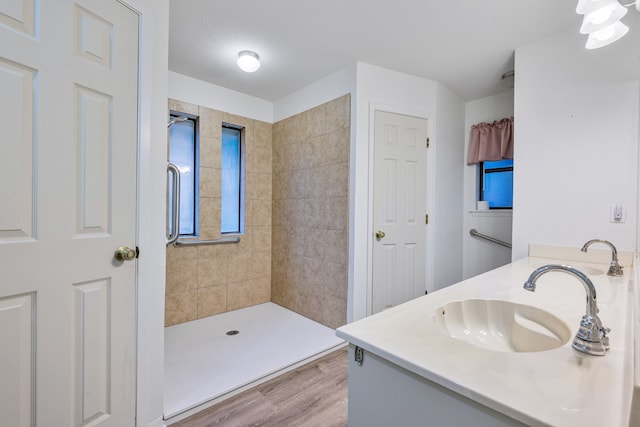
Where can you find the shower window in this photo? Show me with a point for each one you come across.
(232, 200)
(183, 153)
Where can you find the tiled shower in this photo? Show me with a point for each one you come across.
(206, 280)
(294, 251)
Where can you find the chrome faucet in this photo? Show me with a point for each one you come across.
(615, 269)
(592, 337)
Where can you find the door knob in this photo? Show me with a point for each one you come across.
(124, 253)
(380, 234)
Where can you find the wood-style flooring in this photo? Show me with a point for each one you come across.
(313, 395)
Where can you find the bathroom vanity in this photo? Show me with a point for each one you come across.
(485, 352)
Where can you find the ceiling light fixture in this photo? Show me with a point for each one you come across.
(602, 21)
(248, 61)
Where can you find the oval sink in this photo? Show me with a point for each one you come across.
(502, 325)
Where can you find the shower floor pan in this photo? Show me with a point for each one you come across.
(205, 365)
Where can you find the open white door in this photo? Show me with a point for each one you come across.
(399, 209)
(68, 111)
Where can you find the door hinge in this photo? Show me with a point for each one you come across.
(358, 356)
(428, 142)
(426, 219)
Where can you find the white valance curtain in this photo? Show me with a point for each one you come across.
(491, 141)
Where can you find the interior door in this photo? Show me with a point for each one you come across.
(399, 209)
(68, 111)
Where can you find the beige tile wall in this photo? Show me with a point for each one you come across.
(206, 280)
(310, 212)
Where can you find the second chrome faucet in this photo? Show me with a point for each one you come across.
(592, 337)
(615, 269)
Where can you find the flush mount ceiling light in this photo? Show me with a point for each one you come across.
(248, 61)
(602, 21)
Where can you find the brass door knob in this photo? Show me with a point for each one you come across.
(124, 253)
(380, 234)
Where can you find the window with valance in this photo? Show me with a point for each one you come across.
(491, 148)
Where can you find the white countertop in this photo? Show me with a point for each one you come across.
(559, 387)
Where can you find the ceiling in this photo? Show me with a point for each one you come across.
(464, 44)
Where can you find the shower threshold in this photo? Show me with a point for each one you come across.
(214, 358)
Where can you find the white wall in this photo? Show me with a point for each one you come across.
(638, 192)
(152, 163)
(479, 255)
(198, 92)
(576, 141)
(445, 213)
(324, 90)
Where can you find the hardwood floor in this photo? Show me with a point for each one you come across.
(313, 395)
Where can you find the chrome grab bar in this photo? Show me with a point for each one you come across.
(175, 203)
(173, 237)
(475, 233)
(195, 242)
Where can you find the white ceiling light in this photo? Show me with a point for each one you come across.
(248, 61)
(587, 6)
(602, 21)
(606, 35)
(602, 18)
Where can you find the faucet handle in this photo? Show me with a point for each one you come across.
(615, 269)
(592, 337)
(591, 329)
(605, 338)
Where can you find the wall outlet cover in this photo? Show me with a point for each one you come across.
(618, 213)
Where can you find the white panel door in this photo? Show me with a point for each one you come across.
(68, 144)
(399, 209)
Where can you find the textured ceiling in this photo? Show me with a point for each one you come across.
(465, 44)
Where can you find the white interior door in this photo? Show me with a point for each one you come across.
(399, 209)
(68, 111)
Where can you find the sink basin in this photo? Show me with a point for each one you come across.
(502, 325)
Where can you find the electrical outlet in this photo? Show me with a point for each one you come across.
(617, 213)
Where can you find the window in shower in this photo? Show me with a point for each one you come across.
(183, 152)
(232, 200)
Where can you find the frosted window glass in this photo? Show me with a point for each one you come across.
(231, 181)
(182, 153)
